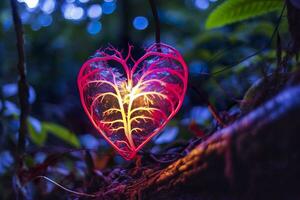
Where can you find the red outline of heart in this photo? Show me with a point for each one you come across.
(154, 50)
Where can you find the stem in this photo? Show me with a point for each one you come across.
(66, 189)
(210, 106)
(215, 114)
(89, 163)
(157, 23)
(156, 20)
(260, 50)
(125, 23)
(23, 87)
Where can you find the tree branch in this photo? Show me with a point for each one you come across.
(230, 160)
(23, 87)
(255, 158)
(156, 20)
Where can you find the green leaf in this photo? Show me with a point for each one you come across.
(236, 10)
(62, 133)
(37, 136)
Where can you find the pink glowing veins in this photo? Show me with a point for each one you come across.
(130, 105)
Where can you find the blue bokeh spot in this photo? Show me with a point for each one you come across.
(94, 27)
(140, 23)
(108, 7)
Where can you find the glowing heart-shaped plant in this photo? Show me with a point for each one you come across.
(131, 101)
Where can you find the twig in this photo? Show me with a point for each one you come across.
(66, 189)
(210, 106)
(257, 52)
(156, 20)
(157, 24)
(161, 161)
(23, 87)
(89, 163)
(215, 114)
(23, 91)
(125, 22)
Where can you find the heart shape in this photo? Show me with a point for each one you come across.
(129, 106)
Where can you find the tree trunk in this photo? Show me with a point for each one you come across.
(258, 157)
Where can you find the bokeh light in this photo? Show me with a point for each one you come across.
(202, 4)
(94, 27)
(140, 23)
(94, 11)
(197, 67)
(25, 17)
(6, 20)
(48, 6)
(30, 3)
(72, 11)
(108, 7)
(45, 20)
(36, 25)
(40, 13)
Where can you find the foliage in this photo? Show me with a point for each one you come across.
(56, 49)
(236, 10)
(39, 135)
(61, 132)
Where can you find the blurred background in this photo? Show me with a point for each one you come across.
(60, 35)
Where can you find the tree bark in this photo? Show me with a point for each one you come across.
(257, 157)
(23, 87)
(23, 94)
